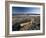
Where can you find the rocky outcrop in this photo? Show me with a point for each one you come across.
(27, 22)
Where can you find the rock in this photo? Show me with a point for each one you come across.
(21, 23)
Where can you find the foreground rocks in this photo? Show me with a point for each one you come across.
(21, 23)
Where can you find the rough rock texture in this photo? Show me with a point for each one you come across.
(29, 22)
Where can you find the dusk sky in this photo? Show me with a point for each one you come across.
(25, 10)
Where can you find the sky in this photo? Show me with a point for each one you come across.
(25, 10)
